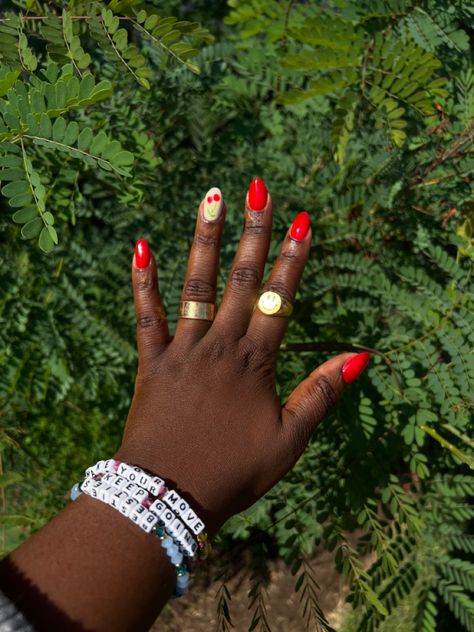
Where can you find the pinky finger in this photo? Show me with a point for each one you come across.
(152, 326)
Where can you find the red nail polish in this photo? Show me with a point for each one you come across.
(354, 366)
(142, 254)
(258, 195)
(299, 228)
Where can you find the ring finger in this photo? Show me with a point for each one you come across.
(201, 274)
(283, 281)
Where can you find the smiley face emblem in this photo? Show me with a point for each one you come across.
(212, 205)
(272, 304)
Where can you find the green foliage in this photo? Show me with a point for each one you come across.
(360, 112)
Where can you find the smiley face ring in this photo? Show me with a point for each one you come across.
(272, 304)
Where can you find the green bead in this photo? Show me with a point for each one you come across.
(181, 569)
(160, 532)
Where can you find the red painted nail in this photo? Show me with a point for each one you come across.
(354, 366)
(299, 228)
(258, 195)
(142, 254)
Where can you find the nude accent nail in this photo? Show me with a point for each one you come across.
(213, 205)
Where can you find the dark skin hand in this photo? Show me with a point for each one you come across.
(205, 416)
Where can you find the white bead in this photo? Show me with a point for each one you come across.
(128, 472)
(156, 483)
(140, 494)
(94, 491)
(105, 492)
(158, 507)
(86, 485)
(120, 482)
(130, 489)
(189, 517)
(176, 527)
(171, 498)
(144, 480)
(193, 547)
(109, 465)
(127, 506)
(136, 514)
(182, 507)
(167, 517)
(197, 526)
(109, 478)
(116, 499)
(147, 521)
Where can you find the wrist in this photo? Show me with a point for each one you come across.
(212, 520)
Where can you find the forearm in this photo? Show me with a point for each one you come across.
(92, 566)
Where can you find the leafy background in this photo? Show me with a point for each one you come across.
(114, 120)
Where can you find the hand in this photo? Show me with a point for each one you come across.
(205, 415)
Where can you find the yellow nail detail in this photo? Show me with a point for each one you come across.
(213, 204)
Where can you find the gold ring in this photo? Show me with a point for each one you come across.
(197, 310)
(272, 304)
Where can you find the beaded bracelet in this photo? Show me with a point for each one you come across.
(146, 501)
(156, 489)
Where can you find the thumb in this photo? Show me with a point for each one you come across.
(311, 400)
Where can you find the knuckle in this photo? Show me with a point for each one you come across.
(254, 357)
(147, 321)
(198, 289)
(280, 288)
(322, 396)
(255, 228)
(145, 283)
(289, 254)
(205, 241)
(245, 278)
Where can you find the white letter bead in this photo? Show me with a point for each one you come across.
(147, 521)
(176, 527)
(120, 482)
(86, 485)
(108, 465)
(167, 517)
(155, 484)
(171, 498)
(197, 527)
(136, 514)
(116, 499)
(95, 489)
(158, 507)
(105, 492)
(130, 489)
(193, 547)
(189, 517)
(182, 507)
(140, 493)
(127, 506)
(187, 538)
(108, 478)
(143, 480)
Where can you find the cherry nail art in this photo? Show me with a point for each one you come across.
(142, 254)
(258, 195)
(354, 366)
(300, 227)
(213, 204)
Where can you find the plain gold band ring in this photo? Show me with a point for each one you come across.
(196, 310)
(272, 304)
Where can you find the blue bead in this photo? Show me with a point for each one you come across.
(166, 543)
(75, 491)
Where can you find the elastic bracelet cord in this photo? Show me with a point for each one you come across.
(147, 501)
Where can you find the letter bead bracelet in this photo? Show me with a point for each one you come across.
(146, 501)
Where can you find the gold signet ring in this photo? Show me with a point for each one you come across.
(272, 304)
(197, 310)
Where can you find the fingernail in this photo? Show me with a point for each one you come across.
(213, 205)
(258, 195)
(354, 366)
(299, 228)
(142, 254)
